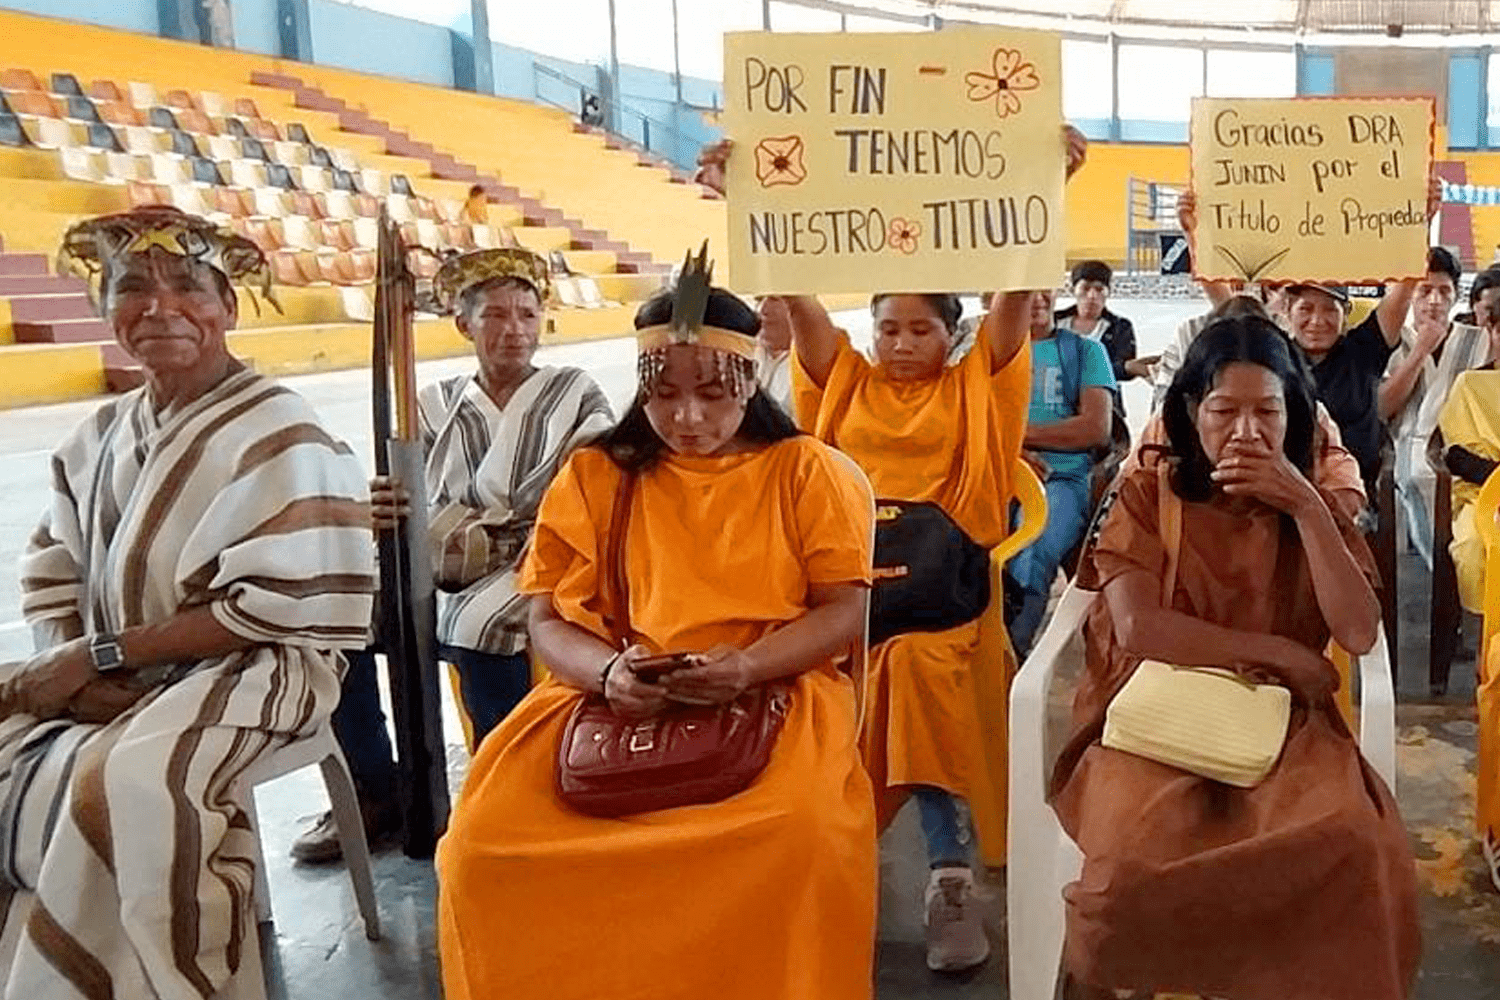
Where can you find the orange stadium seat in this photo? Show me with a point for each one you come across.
(181, 99)
(265, 233)
(308, 204)
(245, 107)
(307, 263)
(285, 270)
(193, 120)
(106, 90)
(19, 79)
(424, 265)
(228, 200)
(147, 193)
(33, 102)
(119, 113)
(337, 233)
(363, 262)
(262, 129)
(410, 234)
(458, 235)
(423, 207)
(367, 205)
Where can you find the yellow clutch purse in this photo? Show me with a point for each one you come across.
(1205, 721)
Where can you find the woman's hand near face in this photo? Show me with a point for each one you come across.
(712, 161)
(627, 694)
(1077, 147)
(720, 674)
(1253, 469)
(389, 503)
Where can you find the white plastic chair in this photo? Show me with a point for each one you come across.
(246, 173)
(221, 147)
(314, 178)
(53, 133)
(291, 154)
(367, 233)
(122, 167)
(166, 169)
(299, 234)
(141, 140)
(340, 205)
(322, 749)
(211, 103)
(270, 202)
(142, 95)
(399, 205)
(82, 164)
(1042, 859)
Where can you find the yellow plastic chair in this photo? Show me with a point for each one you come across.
(992, 686)
(1486, 509)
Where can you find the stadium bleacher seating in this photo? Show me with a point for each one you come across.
(295, 179)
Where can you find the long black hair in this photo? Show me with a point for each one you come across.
(633, 443)
(1250, 339)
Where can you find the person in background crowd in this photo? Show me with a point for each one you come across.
(745, 544)
(950, 436)
(1431, 354)
(1072, 399)
(476, 210)
(773, 352)
(1089, 317)
(1303, 885)
(204, 556)
(493, 440)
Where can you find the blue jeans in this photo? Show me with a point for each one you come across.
(359, 725)
(948, 838)
(490, 684)
(1035, 567)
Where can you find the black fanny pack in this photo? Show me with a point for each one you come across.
(930, 576)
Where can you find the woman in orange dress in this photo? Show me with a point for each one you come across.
(747, 545)
(948, 437)
(1303, 886)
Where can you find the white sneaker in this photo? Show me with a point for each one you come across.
(955, 922)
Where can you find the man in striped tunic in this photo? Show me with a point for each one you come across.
(205, 554)
(494, 440)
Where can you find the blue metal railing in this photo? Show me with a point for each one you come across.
(617, 118)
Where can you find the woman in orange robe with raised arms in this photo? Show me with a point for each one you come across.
(748, 545)
(923, 431)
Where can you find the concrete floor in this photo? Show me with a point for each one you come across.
(317, 949)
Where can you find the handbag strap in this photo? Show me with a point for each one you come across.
(1169, 507)
(616, 582)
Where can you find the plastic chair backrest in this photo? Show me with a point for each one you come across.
(254, 149)
(1486, 508)
(343, 180)
(297, 132)
(163, 118)
(1033, 499)
(400, 184)
(83, 109)
(66, 84)
(236, 128)
(101, 136)
(206, 171)
(318, 156)
(11, 133)
(279, 176)
(184, 144)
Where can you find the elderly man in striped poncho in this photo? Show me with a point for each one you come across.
(205, 555)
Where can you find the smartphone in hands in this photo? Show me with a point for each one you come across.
(653, 668)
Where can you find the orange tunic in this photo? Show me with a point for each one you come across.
(770, 893)
(936, 712)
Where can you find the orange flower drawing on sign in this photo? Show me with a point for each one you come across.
(1010, 75)
(779, 161)
(903, 234)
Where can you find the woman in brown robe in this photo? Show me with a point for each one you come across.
(1302, 888)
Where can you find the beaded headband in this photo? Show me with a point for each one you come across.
(734, 351)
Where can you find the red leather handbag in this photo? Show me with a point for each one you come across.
(688, 755)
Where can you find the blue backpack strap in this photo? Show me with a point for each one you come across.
(1070, 357)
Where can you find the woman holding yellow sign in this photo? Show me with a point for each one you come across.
(938, 443)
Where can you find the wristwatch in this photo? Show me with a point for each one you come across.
(105, 652)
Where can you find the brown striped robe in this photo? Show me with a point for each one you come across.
(127, 856)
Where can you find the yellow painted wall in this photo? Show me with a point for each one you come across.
(1096, 202)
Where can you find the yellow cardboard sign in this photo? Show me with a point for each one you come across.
(917, 162)
(1312, 189)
